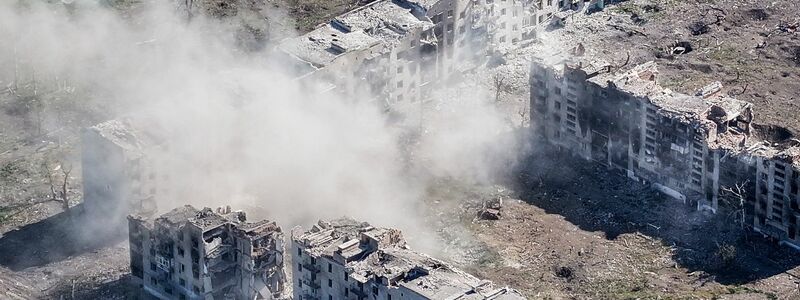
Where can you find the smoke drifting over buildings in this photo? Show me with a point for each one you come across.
(229, 127)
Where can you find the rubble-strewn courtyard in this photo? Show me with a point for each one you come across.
(581, 232)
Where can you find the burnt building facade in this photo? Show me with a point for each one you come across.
(702, 149)
(205, 254)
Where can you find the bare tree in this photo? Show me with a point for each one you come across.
(36, 104)
(500, 85)
(734, 197)
(58, 180)
(523, 113)
(59, 184)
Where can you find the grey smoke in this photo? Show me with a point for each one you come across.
(238, 132)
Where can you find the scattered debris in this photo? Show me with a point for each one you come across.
(699, 27)
(758, 14)
(564, 272)
(491, 209)
(578, 50)
(682, 47)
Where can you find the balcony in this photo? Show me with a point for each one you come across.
(164, 263)
(311, 284)
(313, 268)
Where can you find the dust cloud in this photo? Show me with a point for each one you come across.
(238, 132)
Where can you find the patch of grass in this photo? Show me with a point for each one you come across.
(738, 289)
(627, 8)
(490, 258)
(724, 54)
(726, 253)
(621, 289)
(310, 13)
(8, 171)
(639, 288)
(5, 214)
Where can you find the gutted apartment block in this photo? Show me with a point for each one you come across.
(119, 177)
(346, 259)
(702, 149)
(770, 187)
(205, 254)
(400, 49)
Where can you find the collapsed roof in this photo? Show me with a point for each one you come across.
(379, 25)
(381, 254)
(708, 109)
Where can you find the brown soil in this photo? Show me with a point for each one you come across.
(750, 46)
(581, 232)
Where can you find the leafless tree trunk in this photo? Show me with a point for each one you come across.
(523, 113)
(500, 86)
(734, 197)
(38, 105)
(59, 193)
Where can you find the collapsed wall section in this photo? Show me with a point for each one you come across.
(700, 149)
(205, 254)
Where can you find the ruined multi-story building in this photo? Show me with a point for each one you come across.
(346, 259)
(119, 177)
(399, 49)
(702, 149)
(204, 254)
(766, 174)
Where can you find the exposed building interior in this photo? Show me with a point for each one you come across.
(205, 254)
(701, 149)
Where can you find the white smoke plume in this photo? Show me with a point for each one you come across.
(238, 131)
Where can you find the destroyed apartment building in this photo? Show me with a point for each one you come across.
(399, 49)
(205, 254)
(119, 176)
(346, 259)
(702, 149)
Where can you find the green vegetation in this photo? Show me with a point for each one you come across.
(310, 13)
(635, 288)
(738, 290)
(726, 253)
(8, 171)
(627, 8)
(723, 54)
(5, 214)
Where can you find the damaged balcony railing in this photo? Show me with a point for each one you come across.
(311, 267)
(311, 283)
